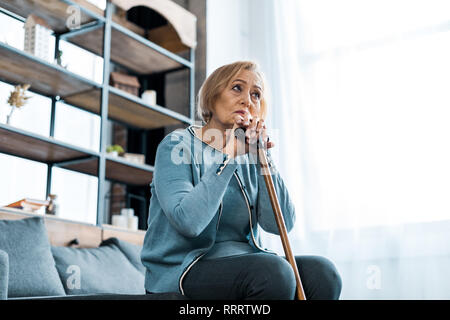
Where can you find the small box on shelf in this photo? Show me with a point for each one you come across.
(135, 157)
(125, 82)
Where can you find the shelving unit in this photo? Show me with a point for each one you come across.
(106, 34)
(17, 66)
(20, 143)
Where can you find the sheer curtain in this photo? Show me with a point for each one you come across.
(360, 111)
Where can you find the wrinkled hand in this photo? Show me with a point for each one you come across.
(237, 143)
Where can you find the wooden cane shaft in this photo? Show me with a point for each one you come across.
(281, 224)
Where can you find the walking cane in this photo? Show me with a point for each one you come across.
(279, 218)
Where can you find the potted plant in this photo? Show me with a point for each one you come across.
(58, 59)
(17, 99)
(114, 150)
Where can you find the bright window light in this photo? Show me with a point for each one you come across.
(378, 109)
(77, 195)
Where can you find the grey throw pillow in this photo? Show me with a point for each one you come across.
(97, 270)
(4, 274)
(130, 250)
(32, 269)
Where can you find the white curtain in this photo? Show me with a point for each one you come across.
(360, 111)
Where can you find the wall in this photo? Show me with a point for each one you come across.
(177, 89)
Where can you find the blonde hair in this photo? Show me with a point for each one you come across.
(218, 81)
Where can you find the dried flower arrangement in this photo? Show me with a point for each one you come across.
(17, 99)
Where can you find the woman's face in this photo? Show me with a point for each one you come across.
(242, 96)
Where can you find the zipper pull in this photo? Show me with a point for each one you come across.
(226, 159)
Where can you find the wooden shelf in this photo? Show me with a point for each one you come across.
(53, 12)
(23, 144)
(129, 47)
(133, 236)
(86, 165)
(17, 67)
(49, 79)
(19, 143)
(121, 170)
(130, 52)
(117, 170)
(62, 230)
(127, 109)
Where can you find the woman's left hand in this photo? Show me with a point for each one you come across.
(254, 130)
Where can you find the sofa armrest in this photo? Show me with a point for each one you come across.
(4, 275)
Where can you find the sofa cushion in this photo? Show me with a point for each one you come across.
(112, 296)
(97, 270)
(4, 273)
(130, 250)
(32, 269)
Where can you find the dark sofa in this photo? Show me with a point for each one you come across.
(31, 268)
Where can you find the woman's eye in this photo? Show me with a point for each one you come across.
(257, 95)
(238, 88)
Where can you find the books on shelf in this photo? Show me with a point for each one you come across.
(29, 204)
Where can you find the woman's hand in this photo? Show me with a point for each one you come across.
(257, 128)
(242, 144)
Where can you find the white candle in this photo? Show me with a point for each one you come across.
(149, 96)
(133, 223)
(127, 212)
(120, 221)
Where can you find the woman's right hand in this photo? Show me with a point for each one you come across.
(235, 146)
(239, 142)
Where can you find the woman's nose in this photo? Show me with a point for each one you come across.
(246, 101)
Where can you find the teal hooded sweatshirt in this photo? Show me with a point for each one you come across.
(189, 182)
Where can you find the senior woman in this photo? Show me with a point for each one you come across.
(209, 198)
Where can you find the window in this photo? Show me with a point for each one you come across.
(377, 105)
(21, 178)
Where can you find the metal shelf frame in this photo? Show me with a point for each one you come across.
(108, 25)
(101, 21)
